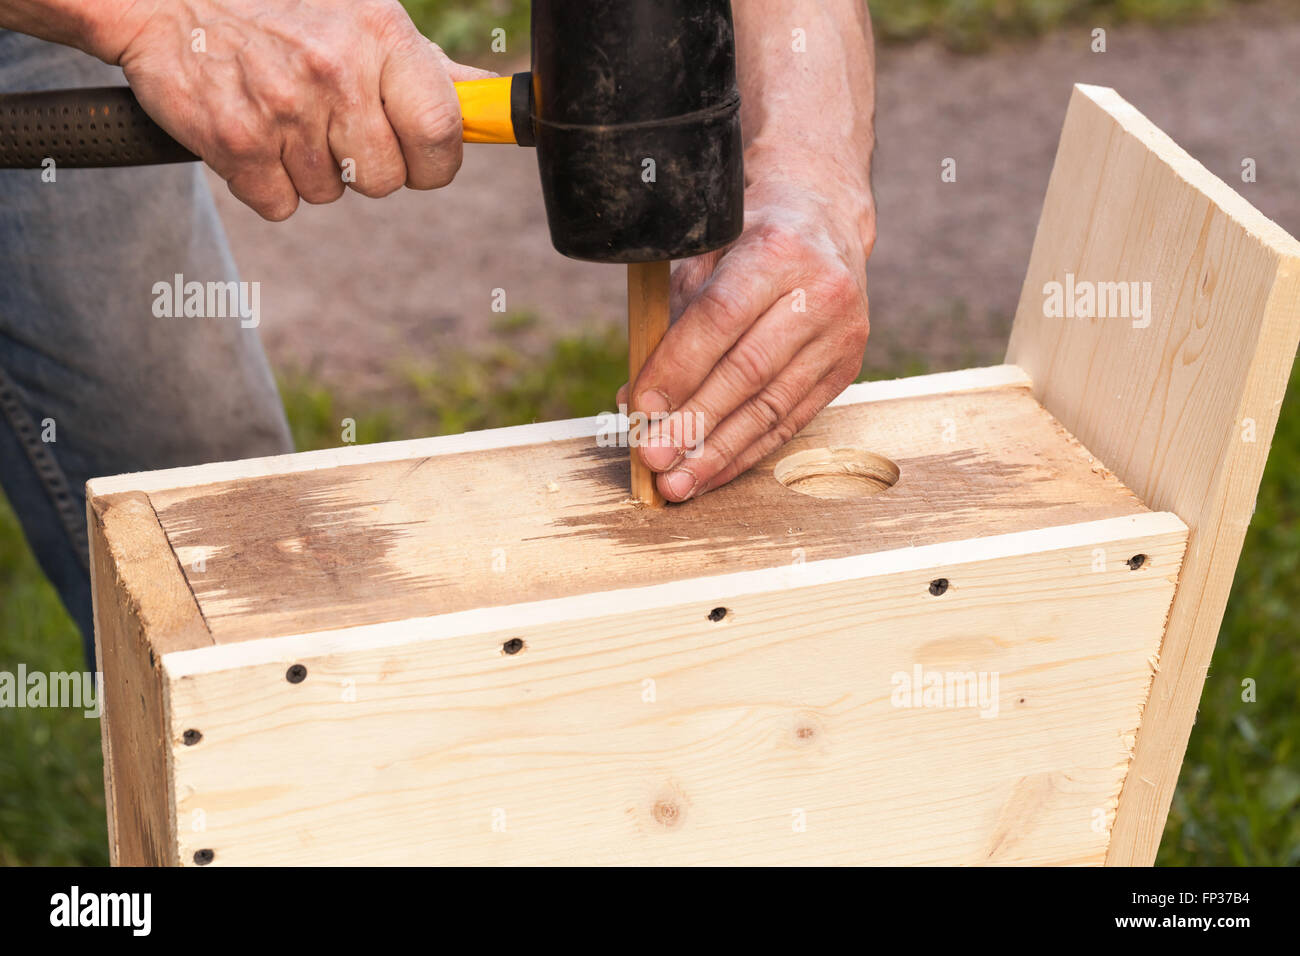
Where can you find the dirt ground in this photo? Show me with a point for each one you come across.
(350, 289)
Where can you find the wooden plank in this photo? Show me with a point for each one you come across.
(940, 383)
(388, 541)
(143, 609)
(637, 727)
(1182, 404)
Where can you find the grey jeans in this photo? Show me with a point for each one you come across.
(92, 382)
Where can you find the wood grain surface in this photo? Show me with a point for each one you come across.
(1181, 403)
(385, 541)
(143, 609)
(648, 728)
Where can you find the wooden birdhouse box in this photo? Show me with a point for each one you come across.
(961, 618)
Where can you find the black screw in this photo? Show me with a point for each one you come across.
(191, 737)
(296, 674)
(203, 857)
(938, 586)
(513, 646)
(1136, 561)
(717, 614)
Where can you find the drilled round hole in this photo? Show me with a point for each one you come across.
(836, 473)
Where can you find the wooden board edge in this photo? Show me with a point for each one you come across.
(1218, 519)
(148, 572)
(1201, 598)
(142, 605)
(98, 608)
(927, 561)
(998, 376)
(1192, 171)
(936, 383)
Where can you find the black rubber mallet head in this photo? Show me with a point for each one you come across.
(636, 118)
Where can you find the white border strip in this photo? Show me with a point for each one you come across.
(996, 376)
(710, 591)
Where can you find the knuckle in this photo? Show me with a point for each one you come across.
(858, 331)
(444, 173)
(768, 410)
(721, 452)
(844, 374)
(848, 364)
(721, 309)
(324, 63)
(281, 98)
(278, 209)
(237, 141)
(783, 432)
(438, 125)
(840, 292)
(436, 136)
(744, 368)
(851, 335)
(324, 192)
(380, 185)
(688, 428)
(749, 366)
(781, 239)
(380, 174)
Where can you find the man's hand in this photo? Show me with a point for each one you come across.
(769, 331)
(292, 98)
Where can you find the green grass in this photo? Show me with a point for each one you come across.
(1237, 799)
(51, 770)
(465, 26)
(502, 386)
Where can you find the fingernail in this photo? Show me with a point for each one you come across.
(657, 449)
(682, 484)
(660, 454)
(651, 400)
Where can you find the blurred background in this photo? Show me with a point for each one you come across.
(380, 311)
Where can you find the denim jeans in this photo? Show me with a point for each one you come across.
(92, 381)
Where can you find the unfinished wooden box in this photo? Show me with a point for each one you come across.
(962, 618)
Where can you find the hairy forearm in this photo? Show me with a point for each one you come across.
(808, 97)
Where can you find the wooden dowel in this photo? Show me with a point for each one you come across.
(647, 321)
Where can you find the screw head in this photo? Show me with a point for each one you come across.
(296, 674)
(938, 586)
(512, 646)
(717, 614)
(191, 737)
(204, 857)
(1136, 561)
